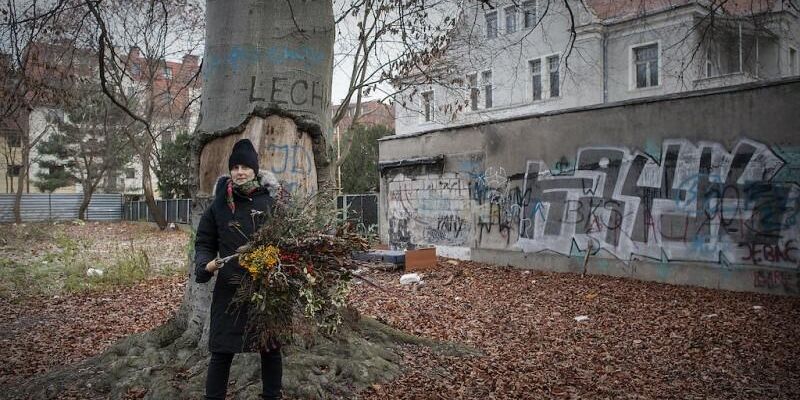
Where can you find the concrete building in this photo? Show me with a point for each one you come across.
(698, 188)
(522, 58)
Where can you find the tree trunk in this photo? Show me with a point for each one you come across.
(87, 198)
(147, 185)
(23, 175)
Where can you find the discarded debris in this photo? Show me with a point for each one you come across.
(408, 279)
(581, 318)
(94, 272)
(449, 280)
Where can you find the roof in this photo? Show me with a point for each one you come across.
(621, 9)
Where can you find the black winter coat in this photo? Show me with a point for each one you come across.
(216, 235)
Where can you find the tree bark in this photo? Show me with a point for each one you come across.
(23, 175)
(147, 185)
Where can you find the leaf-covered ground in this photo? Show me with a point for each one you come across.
(641, 340)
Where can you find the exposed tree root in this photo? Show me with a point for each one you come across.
(166, 363)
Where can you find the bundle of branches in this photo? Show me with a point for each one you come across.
(300, 269)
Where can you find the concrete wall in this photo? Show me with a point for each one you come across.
(697, 188)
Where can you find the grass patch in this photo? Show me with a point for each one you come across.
(127, 269)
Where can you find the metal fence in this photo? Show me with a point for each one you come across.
(361, 209)
(35, 207)
(173, 210)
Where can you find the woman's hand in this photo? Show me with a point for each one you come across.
(212, 266)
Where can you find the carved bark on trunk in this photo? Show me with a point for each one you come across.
(266, 76)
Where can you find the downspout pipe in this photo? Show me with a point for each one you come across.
(605, 63)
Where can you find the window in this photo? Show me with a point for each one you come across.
(474, 91)
(136, 69)
(130, 173)
(167, 72)
(793, 62)
(529, 13)
(13, 170)
(427, 105)
(491, 25)
(645, 60)
(536, 78)
(486, 77)
(709, 69)
(511, 19)
(552, 69)
(13, 137)
(55, 169)
(166, 137)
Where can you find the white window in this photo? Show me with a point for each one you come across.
(474, 91)
(553, 63)
(486, 81)
(511, 19)
(428, 105)
(536, 78)
(529, 13)
(645, 64)
(794, 65)
(491, 25)
(167, 72)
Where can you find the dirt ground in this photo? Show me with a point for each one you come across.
(639, 340)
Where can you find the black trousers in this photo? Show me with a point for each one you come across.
(219, 369)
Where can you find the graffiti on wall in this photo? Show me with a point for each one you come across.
(429, 209)
(690, 202)
(696, 202)
(497, 201)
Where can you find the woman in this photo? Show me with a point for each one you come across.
(240, 206)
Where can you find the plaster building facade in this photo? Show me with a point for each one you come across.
(520, 58)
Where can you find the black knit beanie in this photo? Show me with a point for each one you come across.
(245, 154)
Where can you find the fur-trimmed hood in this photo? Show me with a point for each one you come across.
(265, 178)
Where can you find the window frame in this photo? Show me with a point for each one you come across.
(491, 33)
(531, 74)
(473, 91)
(13, 137)
(632, 64)
(527, 6)
(513, 15)
(130, 173)
(13, 170)
(428, 106)
(547, 59)
(488, 89)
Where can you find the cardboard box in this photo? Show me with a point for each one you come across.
(420, 259)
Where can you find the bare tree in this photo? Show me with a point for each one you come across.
(142, 83)
(37, 48)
